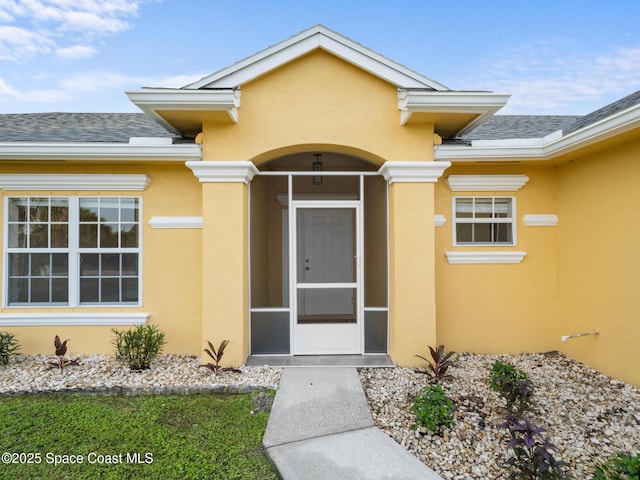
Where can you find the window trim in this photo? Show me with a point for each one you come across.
(74, 251)
(511, 220)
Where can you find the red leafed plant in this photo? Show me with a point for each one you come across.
(438, 366)
(61, 351)
(216, 355)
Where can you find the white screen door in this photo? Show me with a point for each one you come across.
(327, 277)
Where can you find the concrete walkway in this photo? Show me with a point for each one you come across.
(320, 428)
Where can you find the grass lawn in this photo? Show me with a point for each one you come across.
(147, 437)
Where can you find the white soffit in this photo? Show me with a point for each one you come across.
(484, 183)
(57, 182)
(119, 152)
(483, 104)
(306, 41)
(399, 171)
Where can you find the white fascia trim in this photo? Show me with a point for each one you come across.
(57, 182)
(121, 152)
(72, 319)
(399, 171)
(175, 222)
(420, 101)
(542, 220)
(223, 171)
(439, 220)
(474, 258)
(545, 148)
(471, 183)
(315, 37)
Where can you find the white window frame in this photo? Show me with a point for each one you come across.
(74, 251)
(510, 220)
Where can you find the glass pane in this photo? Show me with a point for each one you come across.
(89, 265)
(129, 235)
(269, 333)
(130, 264)
(88, 209)
(108, 236)
(110, 265)
(88, 236)
(109, 210)
(39, 210)
(110, 291)
(18, 290)
(60, 290)
(40, 266)
(40, 290)
(464, 232)
(503, 232)
(502, 208)
(482, 232)
(59, 210)
(129, 289)
(464, 207)
(483, 207)
(129, 210)
(19, 264)
(18, 209)
(17, 236)
(89, 290)
(59, 236)
(60, 264)
(39, 237)
(326, 305)
(325, 245)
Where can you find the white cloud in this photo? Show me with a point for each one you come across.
(56, 23)
(541, 80)
(76, 52)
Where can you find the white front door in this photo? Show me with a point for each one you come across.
(326, 315)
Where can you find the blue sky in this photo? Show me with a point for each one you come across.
(552, 56)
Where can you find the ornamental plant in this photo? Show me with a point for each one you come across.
(620, 466)
(513, 385)
(8, 347)
(139, 346)
(216, 356)
(61, 351)
(438, 365)
(433, 409)
(531, 458)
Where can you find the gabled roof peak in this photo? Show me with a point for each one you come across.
(306, 41)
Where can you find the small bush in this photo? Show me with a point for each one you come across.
(513, 385)
(619, 467)
(139, 346)
(433, 409)
(438, 366)
(532, 458)
(8, 347)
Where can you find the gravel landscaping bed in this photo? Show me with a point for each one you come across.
(104, 374)
(588, 416)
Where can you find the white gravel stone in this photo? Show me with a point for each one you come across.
(587, 415)
(105, 374)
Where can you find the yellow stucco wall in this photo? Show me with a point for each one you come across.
(500, 308)
(171, 262)
(599, 259)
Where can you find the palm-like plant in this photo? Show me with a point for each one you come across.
(438, 366)
(216, 355)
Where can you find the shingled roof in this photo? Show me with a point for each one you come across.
(78, 127)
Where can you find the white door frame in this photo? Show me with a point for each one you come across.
(317, 339)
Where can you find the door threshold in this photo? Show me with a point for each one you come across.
(362, 361)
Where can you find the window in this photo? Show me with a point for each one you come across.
(72, 251)
(484, 221)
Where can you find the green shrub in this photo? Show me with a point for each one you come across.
(619, 467)
(8, 346)
(433, 409)
(513, 385)
(139, 346)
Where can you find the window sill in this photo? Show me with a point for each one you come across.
(72, 319)
(474, 258)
